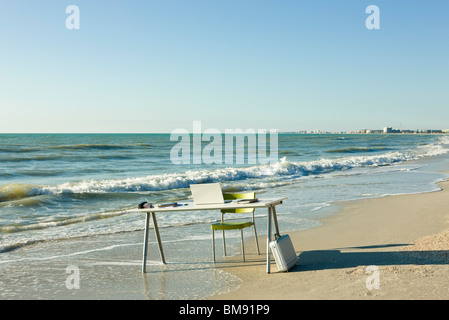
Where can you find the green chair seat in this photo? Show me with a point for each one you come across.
(231, 225)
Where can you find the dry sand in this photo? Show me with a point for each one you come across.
(406, 238)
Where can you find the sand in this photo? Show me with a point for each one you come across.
(394, 247)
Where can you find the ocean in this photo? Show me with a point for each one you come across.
(60, 187)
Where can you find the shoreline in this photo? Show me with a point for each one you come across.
(405, 237)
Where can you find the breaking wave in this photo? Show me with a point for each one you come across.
(276, 173)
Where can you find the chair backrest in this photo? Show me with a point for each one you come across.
(233, 196)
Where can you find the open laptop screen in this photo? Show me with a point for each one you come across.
(207, 193)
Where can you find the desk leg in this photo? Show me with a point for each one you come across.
(268, 239)
(145, 243)
(275, 220)
(158, 237)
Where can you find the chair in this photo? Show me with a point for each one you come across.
(235, 225)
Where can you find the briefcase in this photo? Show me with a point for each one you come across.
(284, 253)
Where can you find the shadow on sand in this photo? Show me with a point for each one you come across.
(357, 256)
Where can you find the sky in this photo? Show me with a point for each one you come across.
(158, 65)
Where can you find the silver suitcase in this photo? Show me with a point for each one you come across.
(284, 253)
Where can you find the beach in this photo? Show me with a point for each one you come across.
(353, 201)
(405, 238)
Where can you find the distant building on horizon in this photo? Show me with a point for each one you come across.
(391, 130)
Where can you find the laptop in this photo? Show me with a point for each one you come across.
(207, 193)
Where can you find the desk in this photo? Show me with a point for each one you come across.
(151, 212)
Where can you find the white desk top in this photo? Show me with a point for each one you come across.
(189, 206)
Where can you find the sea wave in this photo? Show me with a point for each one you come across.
(91, 147)
(356, 150)
(280, 172)
(74, 147)
(57, 222)
(35, 158)
(16, 191)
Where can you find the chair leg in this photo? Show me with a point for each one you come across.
(224, 239)
(257, 240)
(243, 246)
(255, 234)
(224, 244)
(213, 243)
